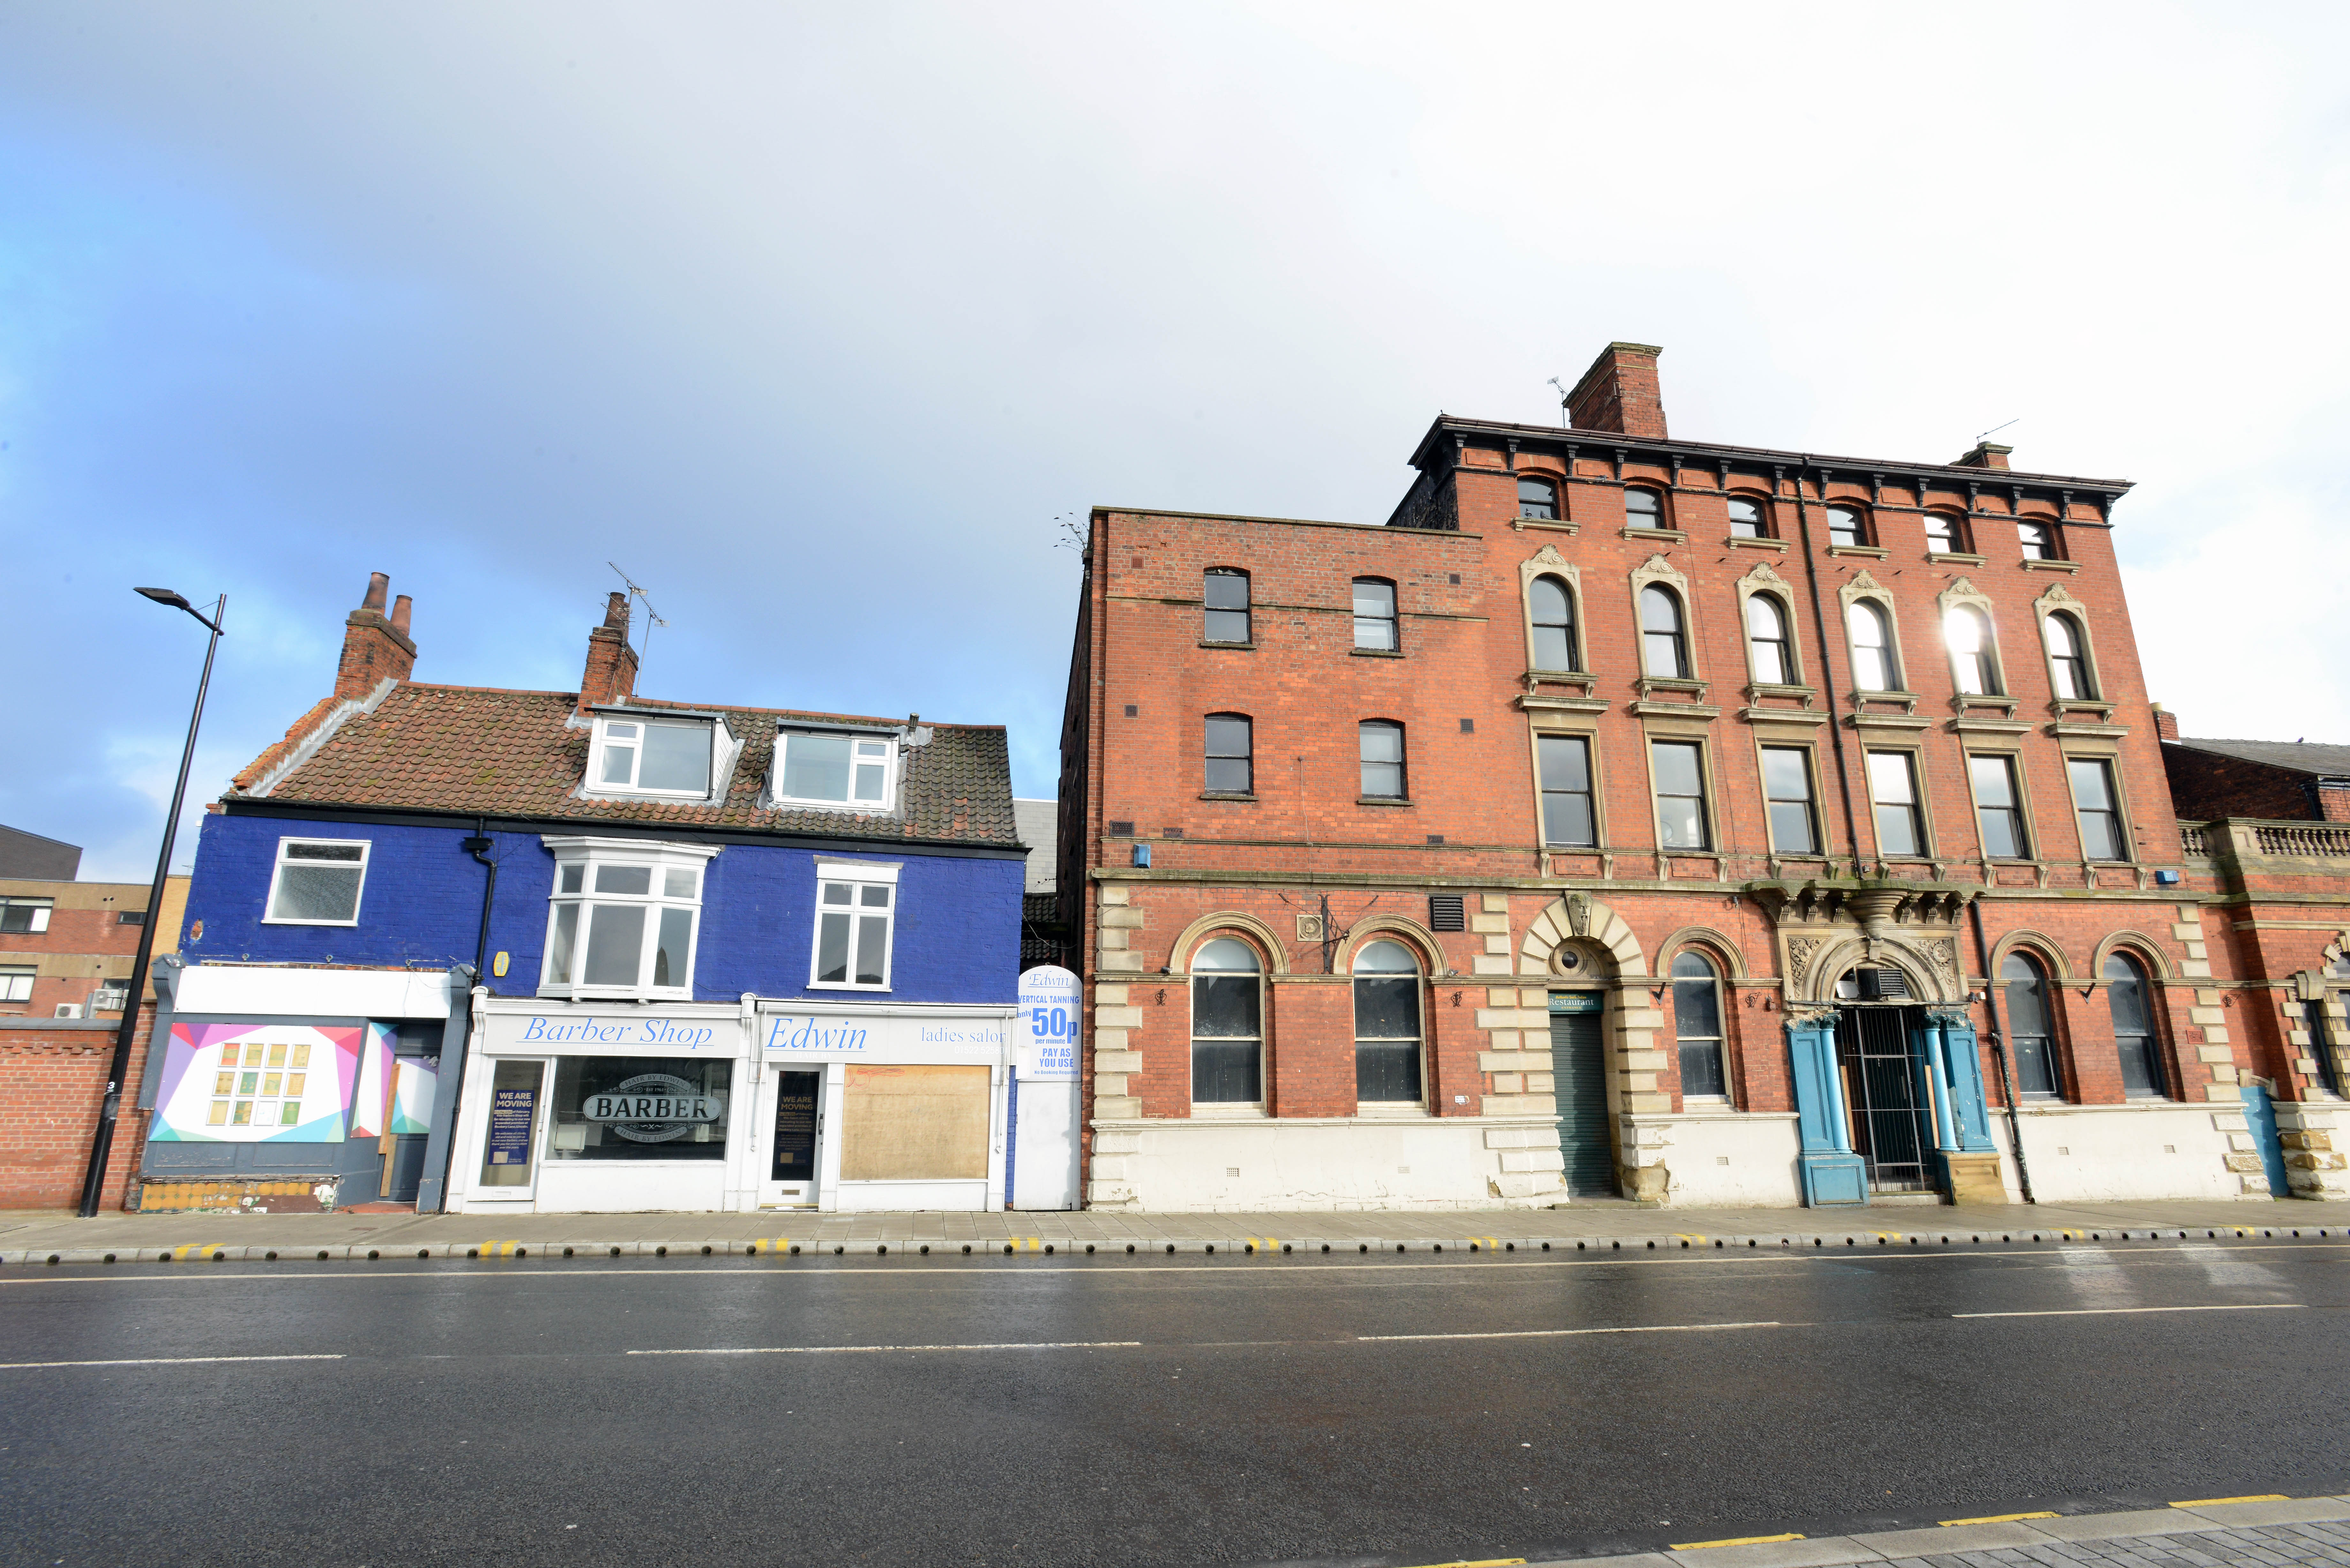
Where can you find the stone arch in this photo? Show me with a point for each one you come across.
(1276, 955)
(1934, 981)
(1413, 935)
(1574, 917)
(2140, 946)
(2043, 946)
(1705, 935)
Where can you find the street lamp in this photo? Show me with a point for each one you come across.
(102, 1145)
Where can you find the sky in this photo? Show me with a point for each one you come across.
(822, 320)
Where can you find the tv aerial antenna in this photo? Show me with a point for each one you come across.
(1996, 429)
(1562, 400)
(652, 616)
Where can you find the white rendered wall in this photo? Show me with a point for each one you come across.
(2118, 1152)
(1724, 1158)
(1185, 1165)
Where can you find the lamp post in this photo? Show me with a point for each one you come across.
(101, 1145)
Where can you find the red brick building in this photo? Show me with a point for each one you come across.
(1632, 815)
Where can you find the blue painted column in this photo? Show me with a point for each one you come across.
(1938, 1085)
(1832, 1173)
(1961, 1070)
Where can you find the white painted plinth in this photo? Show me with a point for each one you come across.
(1187, 1166)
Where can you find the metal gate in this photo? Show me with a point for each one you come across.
(1884, 1087)
(1578, 1069)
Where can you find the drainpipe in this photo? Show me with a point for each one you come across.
(1828, 667)
(479, 847)
(1999, 1050)
(453, 1075)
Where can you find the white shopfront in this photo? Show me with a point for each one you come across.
(569, 1108)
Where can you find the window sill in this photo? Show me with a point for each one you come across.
(1392, 1110)
(1741, 541)
(1381, 800)
(1230, 646)
(1661, 536)
(1955, 558)
(1376, 653)
(1228, 1111)
(1873, 552)
(844, 985)
(1219, 795)
(614, 993)
(1555, 525)
(266, 920)
(2032, 566)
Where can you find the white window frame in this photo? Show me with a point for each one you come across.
(596, 784)
(41, 908)
(13, 977)
(854, 875)
(888, 759)
(660, 858)
(270, 917)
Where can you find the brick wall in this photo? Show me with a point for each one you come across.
(2204, 784)
(52, 1079)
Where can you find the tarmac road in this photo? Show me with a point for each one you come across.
(1143, 1410)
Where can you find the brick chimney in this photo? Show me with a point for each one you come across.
(611, 673)
(1619, 393)
(1986, 454)
(375, 647)
(2166, 722)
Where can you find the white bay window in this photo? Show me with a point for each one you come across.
(856, 912)
(624, 917)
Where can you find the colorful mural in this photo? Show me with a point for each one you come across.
(255, 1082)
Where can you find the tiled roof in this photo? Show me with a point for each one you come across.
(2301, 756)
(494, 753)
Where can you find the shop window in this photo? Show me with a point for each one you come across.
(2127, 1000)
(1227, 1024)
(1972, 661)
(1375, 615)
(1999, 811)
(1697, 1023)
(1230, 767)
(1846, 526)
(1747, 520)
(1538, 498)
(29, 915)
(1645, 509)
(1225, 593)
(1872, 648)
(1664, 646)
(1681, 821)
(855, 913)
(1945, 534)
(1380, 742)
(2038, 540)
(1766, 640)
(2094, 806)
(1567, 816)
(913, 1123)
(2024, 986)
(640, 1108)
(318, 882)
(834, 770)
(1787, 794)
(1893, 798)
(1386, 1024)
(623, 918)
(641, 756)
(1551, 609)
(2068, 661)
(16, 984)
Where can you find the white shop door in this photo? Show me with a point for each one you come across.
(1045, 1145)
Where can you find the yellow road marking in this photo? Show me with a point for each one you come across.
(1734, 1541)
(1688, 1236)
(2216, 1501)
(1480, 1562)
(1999, 1518)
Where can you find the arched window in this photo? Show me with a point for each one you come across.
(1387, 1023)
(1747, 520)
(1643, 509)
(1696, 1022)
(2132, 1008)
(1664, 651)
(1231, 765)
(1381, 744)
(2038, 539)
(1872, 648)
(1227, 1024)
(2321, 1046)
(1225, 594)
(1375, 614)
(1553, 609)
(1537, 497)
(2068, 663)
(1844, 527)
(1971, 661)
(1766, 640)
(1945, 536)
(2024, 988)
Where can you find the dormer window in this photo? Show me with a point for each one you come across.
(834, 770)
(639, 756)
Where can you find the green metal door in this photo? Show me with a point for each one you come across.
(1577, 1067)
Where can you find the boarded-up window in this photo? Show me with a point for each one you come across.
(914, 1124)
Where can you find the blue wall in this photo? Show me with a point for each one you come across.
(957, 938)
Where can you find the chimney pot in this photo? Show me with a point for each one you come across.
(1620, 393)
(616, 612)
(610, 676)
(399, 609)
(375, 648)
(378, 583)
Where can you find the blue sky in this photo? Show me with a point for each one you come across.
(817, 318)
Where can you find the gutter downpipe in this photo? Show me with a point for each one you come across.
(478, 847)
(1999, 1050)
(1827, 665)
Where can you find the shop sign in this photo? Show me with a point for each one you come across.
(652, 1107)
(888, 1038)
(690, 1034)
(1051, 1003)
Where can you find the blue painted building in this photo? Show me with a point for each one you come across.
(495, 950)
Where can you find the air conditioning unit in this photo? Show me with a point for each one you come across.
(68, 1010)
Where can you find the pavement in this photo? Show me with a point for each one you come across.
(2058, 1404)
(34, 1236)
